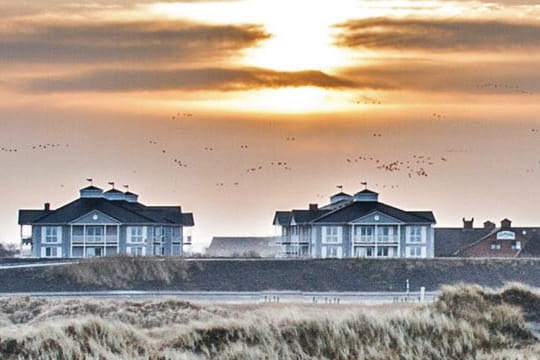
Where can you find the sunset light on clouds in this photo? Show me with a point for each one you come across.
(386, 80)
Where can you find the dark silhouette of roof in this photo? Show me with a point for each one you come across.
(340, 194)
(29, 216)
(448, 241)
(91, 187)
(300, 216)
(242, 246)
(123, 211)
(366, 191)
(452, 241)
(358, 209)
(349, 212)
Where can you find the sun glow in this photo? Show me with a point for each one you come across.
(301, 30)
(285, 100)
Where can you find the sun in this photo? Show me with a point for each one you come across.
(301, 38)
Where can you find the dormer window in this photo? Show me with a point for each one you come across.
(516, 245)
(495, 246)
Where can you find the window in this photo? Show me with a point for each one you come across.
(159, 250)
(51, 252)
(382, 251)
(136, 250)
(364, 233)
(94, 233)
(94, 251)
(332, 234)
(51, 234)
(495, 246)
(135, 234)
(415, 234)
(363, 251)
(332, 251)
(159, 233)
(385, 233)
(516, 245)
(415, 251)
(176, 250)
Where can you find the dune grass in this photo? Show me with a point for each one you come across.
(465, 323)
(120, 272)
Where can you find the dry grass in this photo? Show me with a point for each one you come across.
(466, 323)
(120, 272)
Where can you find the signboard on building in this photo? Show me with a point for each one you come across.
(506, 235)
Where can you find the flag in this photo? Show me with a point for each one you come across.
(111, 183)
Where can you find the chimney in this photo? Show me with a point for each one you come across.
(468, 224)
(506, 223)
(313, 207)
(488, 225)
(47, 206)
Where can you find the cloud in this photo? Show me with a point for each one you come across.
(127, 42)
(221, 79)
(438, 35)
(471, 77)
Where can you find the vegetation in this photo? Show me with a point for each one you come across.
(120, 271)
(465, 323)
(9, 250)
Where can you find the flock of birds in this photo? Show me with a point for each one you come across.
(503, 86)
(35, 147)
(415, 166)
(366, 100)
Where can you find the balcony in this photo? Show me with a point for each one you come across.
(79, 239)
(293, 240)
(380, 239)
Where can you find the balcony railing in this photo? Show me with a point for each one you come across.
(94, 239)
(294, 239)
(378, 239)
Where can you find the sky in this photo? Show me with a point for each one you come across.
(234, 109)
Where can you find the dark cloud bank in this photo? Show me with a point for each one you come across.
(440, 35)
(222, 79)
(144, 41)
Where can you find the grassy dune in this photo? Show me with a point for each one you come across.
(120, 271)
(465, 323)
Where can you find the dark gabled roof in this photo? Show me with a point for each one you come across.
(113, 191)
(448, 241)
(241, 246)
(121, 210)
(91, 187)
(282, 218)
(187, 219)
(451, 241)
(130, 193)
(340, 194)
(299, 216)
(358, 209)
(306, 216)
(366, 191)
(27, 217)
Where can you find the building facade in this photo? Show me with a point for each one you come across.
(355, 226)
(105, 223)
(489, 241)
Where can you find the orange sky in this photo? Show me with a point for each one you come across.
(455, 81)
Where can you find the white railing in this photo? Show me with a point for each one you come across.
(94, 239)
(375, 239)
